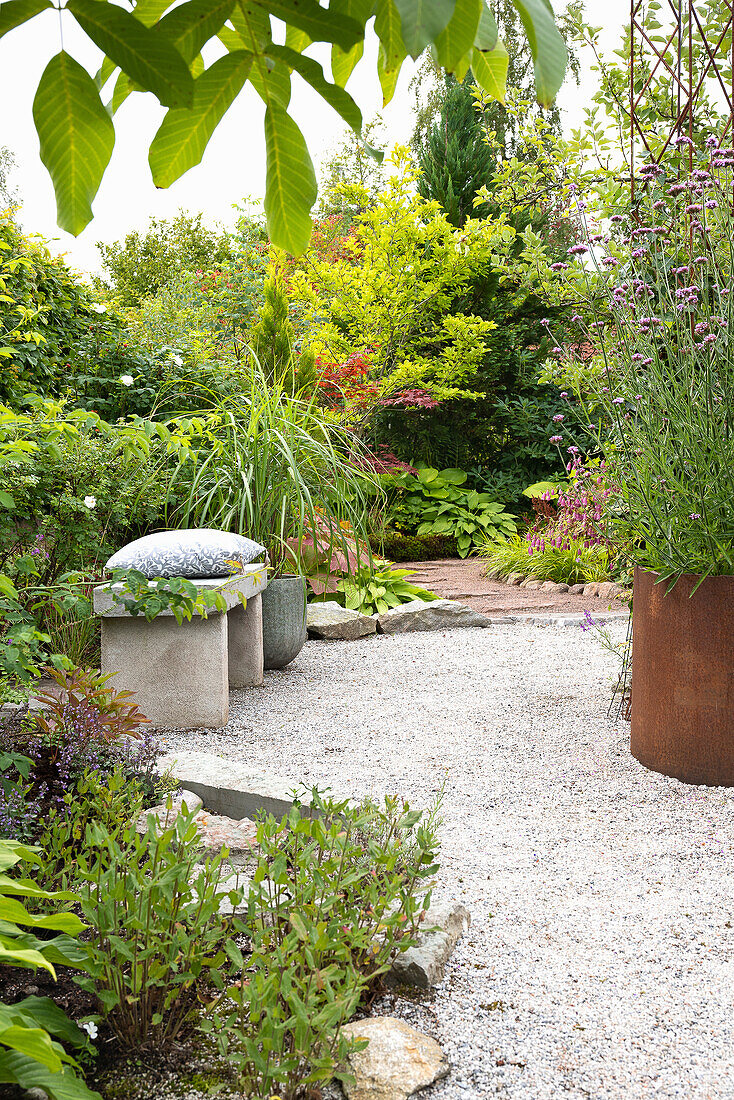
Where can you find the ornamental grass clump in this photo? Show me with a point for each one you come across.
(667, 385)
(272, 466)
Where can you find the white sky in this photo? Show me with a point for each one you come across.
(234, 162)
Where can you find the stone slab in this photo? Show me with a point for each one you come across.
(167, 816)
(253, 579)
(329, 620)
(218, 831)
(229, 789)
(430, 615)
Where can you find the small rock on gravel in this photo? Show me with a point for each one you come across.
(217, 832)
(332, 621)
(398, 1061)
(423, 965)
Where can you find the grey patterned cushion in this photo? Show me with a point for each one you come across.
(195, 552)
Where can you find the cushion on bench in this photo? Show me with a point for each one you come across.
(191, 552)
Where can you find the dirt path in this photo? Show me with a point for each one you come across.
(460, 580)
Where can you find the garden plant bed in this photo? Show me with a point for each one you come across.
(603, 970)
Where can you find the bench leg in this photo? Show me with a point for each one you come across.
(178, 673)
(246, 643)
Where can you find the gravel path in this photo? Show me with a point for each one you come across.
(599, 962)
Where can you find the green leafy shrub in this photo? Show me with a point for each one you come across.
(34, 1032)
(148, 597)
(156, 929)
(88, 760)
(335, 897)
(112, 800)
(572, 564)
(436, 502)
(44, 309)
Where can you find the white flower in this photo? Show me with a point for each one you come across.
(91, 502)
(98, 308)
(126, 379)
(177, 360)
(90, 1027)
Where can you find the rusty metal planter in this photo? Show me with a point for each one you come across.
(683, 678)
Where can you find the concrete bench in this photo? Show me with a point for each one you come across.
(182, 674)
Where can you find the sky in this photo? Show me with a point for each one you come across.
(233, 167)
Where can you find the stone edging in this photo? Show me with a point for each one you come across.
(606, 590)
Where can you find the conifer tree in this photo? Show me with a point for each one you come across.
(273, 338)
(454, 158)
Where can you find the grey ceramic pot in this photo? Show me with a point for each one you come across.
(284, 620)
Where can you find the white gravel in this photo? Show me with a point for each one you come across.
(599, 963)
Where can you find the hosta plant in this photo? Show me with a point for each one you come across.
(378, 591)
(33, 1030)
(436, 502)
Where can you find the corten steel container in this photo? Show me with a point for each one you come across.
(683, 678)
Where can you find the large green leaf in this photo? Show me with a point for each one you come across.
(343, 61)
(15, 12)
(321, 24)
(290, 185)
(490, 70)
(457, 37)
(550, 55)
(487, 33)
(34, 1042)
(312, 72)
(76, 136)
(184, 134)
(422, 21)
(147, 56)
(297, 40)
(48, 1015)
(191, 25)
(392, 52)
(18, 1069)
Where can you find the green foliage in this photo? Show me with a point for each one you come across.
(454, 158)
(143, 263)
(140, 595)
(574, 564)
(667, 402)
(271, 467)
(165, 59)
(111, 800)
(437, 503)
(156, 928)
(76, 488)
(33, 1030)
(395, 291)
(44, 311)
(375, 591)
(336, 895)
(399, 546)
(272, 338)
